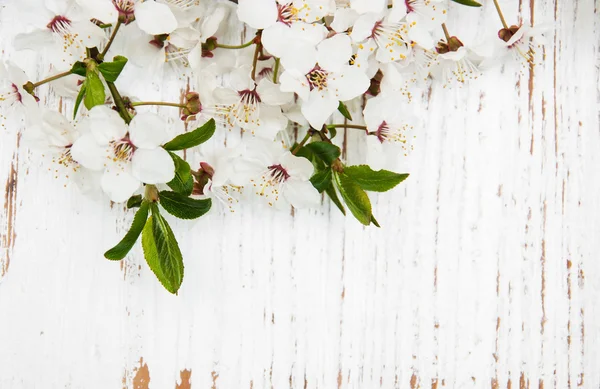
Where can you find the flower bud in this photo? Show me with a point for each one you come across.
(193, 105)
(507, 33)
(453, 44)
(201, 177)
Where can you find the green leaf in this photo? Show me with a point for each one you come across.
(470, 3)
(194, 138)
(374, 222)
(355, 198)
(332, 131)
(94, 91)
(124, 246)
(134, 201)
(332, 193)
(183, 182)
(344, 111)
(79, 99)
(112, 70)
(375, 181)
(162, 252)
(79, 68)
(325, 151)
(182, 206)
(321, 180)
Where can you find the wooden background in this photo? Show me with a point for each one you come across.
(484, 275)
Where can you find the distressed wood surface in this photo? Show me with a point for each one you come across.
(484, 275)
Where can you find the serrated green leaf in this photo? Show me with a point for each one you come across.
(79, 68)
(374, 181)
(355, 198)
(183, 182)
(94, 91)
(332, 193)
(124, 246)
(161, 251)
(79, 100)
(325, 151)
(182, 206)
(194, 138)
(344, 111)
(112, 70)
(469, 3)
(134, 201)
(321, 180)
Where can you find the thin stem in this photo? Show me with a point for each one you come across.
(105, 25)
(500, 14)
(119, 102)
(255, 60)
(309, 133)
(276, 70)
(234, 47)
(161, 103)
(53, 78)
(111, 39)
(446, 32)
(354, 126)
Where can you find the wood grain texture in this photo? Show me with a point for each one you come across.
(484, 275)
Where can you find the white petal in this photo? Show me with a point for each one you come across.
(155, 18)
(153, 166)
(319, 107)
(298, 167)
(90, 34)
(119, 184)
(271, 94)
(363, 28)
(301, 56)
(343, 19)
(364, 6)
(334, 52)
(89, 153)
(276, 39)
(294, 81)
(105, 124)
(272, 121)
(351, 82)
(258, 14)
(35, 40)
(301, 194)
(147, 130)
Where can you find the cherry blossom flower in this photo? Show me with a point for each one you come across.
(391, 130)
(13, 98)
(253, 107)
(521, 42)
(273, 176)
(283, 22)
(330, 81)
(456, 64)
(128, 155)
(152, 17)
(62, 32)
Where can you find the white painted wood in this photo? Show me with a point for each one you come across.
(485, 273)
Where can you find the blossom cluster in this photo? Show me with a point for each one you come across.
(303, 63)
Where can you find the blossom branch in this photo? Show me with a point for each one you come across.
(159, 103)
(354, 126)
(500, 14)
(234, 47)
(29, 87)
(309, 133)
(119, 102)
(110, 40)
(256, 53)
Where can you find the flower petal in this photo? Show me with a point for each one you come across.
(258, 14)
(155, 18)
(153, 166)
(147, 130)
(119, 184)
(301, 194)
(89, 153)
